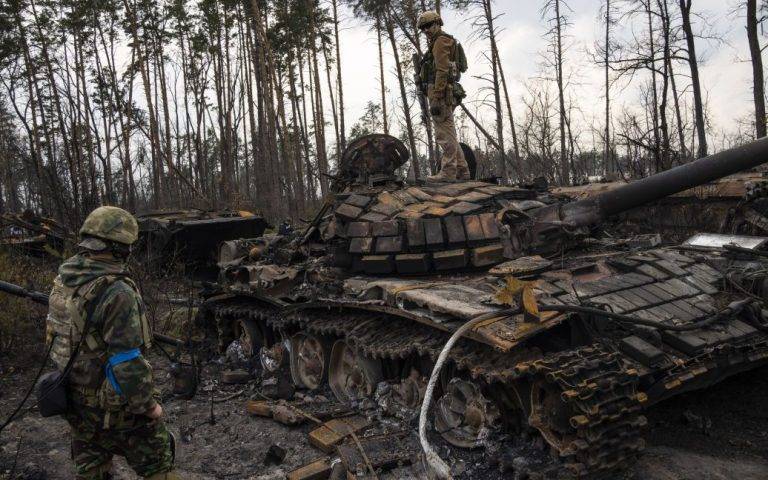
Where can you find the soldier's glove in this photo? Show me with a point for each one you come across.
(435, 110)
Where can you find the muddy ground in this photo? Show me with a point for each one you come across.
(721, 433)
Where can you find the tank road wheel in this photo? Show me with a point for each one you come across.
(463, 415)
(250, 336)
(309, 357)
(351, 375)
(273, 358)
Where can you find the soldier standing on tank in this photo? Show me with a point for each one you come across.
(439, 73)
(113, 407)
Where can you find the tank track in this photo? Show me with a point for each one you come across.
(599, 390)
(606, 425)
(384, 336)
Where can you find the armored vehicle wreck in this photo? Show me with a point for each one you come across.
(193, 236)
(572, 336)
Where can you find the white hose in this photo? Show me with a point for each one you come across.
(438, 466)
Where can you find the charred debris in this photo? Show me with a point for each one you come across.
(577, 330)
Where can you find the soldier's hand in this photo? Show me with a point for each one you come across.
(435, 110)
(155, 412)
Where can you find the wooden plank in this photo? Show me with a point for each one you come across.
(332, 432)
(259, 408)
(319, 469)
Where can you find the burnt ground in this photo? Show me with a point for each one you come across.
(720, 433)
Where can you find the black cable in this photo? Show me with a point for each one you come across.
(733, 308)
(31, 387)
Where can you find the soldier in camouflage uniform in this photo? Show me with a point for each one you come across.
(113, 402)
(440, 73)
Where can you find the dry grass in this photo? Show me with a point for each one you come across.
(22, 322)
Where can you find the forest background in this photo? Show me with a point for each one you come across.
(248, 104)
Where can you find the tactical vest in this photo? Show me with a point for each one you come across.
(459, 65)
(67, 311)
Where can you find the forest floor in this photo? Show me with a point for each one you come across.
(717, 434)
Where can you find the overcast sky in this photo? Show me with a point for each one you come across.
(725, 70)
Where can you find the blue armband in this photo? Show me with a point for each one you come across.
(117, 359)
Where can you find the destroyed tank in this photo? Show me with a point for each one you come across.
(573, 335)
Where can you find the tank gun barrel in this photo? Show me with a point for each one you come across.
(666, 183)
(547, 229)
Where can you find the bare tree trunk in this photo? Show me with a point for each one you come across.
(383, 86)
(678, 114)
(334, 112)
(607, 160)
(319, 119)
(404, 99)
(654, 91)
(153, 135)
(339, 81)
(564, 167)
(758, 82)
(698, 102)
(495, 62)
(664, 125)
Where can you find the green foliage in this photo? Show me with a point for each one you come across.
(370, 122)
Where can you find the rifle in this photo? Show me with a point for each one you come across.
(421, 89)
(42, 299)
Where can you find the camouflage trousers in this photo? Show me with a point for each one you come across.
(452, 162)
(145, 443)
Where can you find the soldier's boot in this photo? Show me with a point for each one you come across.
(442, 176)
(171, 475)
(462, 174)
(99, 472)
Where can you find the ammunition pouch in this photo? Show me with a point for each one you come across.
(52, 394)
(459, 94)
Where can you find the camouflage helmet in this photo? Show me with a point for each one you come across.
(109, 223)
(428, 18)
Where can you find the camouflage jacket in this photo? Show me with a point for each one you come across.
(118, 325)
(438, 66)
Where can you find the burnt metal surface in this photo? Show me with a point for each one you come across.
(391, 270)
(33, 234)
(192, 237)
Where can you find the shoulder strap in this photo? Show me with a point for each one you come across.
(103, 283)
